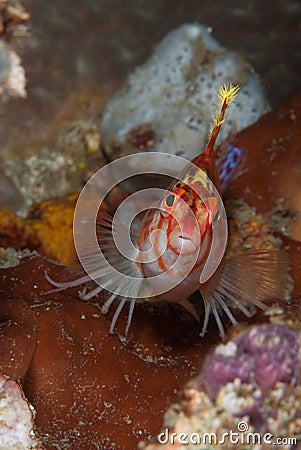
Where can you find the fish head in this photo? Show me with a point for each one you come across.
(179, 223)
(186, 217)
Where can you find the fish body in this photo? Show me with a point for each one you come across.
(185, 222)
(175, 240)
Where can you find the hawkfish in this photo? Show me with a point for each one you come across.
(173, 247)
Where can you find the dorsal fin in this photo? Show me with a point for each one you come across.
(227, 94)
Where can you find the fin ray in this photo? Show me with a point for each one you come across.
(100, 273)
(117, 314)
(263, 282)
(62, 285)
(130, 315)
(87, 296)
(100, 260)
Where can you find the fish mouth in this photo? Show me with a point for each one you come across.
(187, 243)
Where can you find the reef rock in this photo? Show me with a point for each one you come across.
(248, 387)
(16, 418)
(12, 74)
(169, 101)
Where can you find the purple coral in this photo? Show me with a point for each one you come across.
(261, 356)
(241, 374)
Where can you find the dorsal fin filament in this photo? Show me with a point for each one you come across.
(227, 94)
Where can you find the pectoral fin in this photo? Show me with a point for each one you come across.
(244, 281)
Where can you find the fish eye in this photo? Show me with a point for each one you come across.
(170, 200)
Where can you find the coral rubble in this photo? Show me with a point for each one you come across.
(248, 387)
(57, 171)
(14, 19)
(14, 22)
(16, 418)
(12, 74)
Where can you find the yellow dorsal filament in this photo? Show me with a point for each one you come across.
(226, 94)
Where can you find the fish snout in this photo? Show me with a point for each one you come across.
(186, 243)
